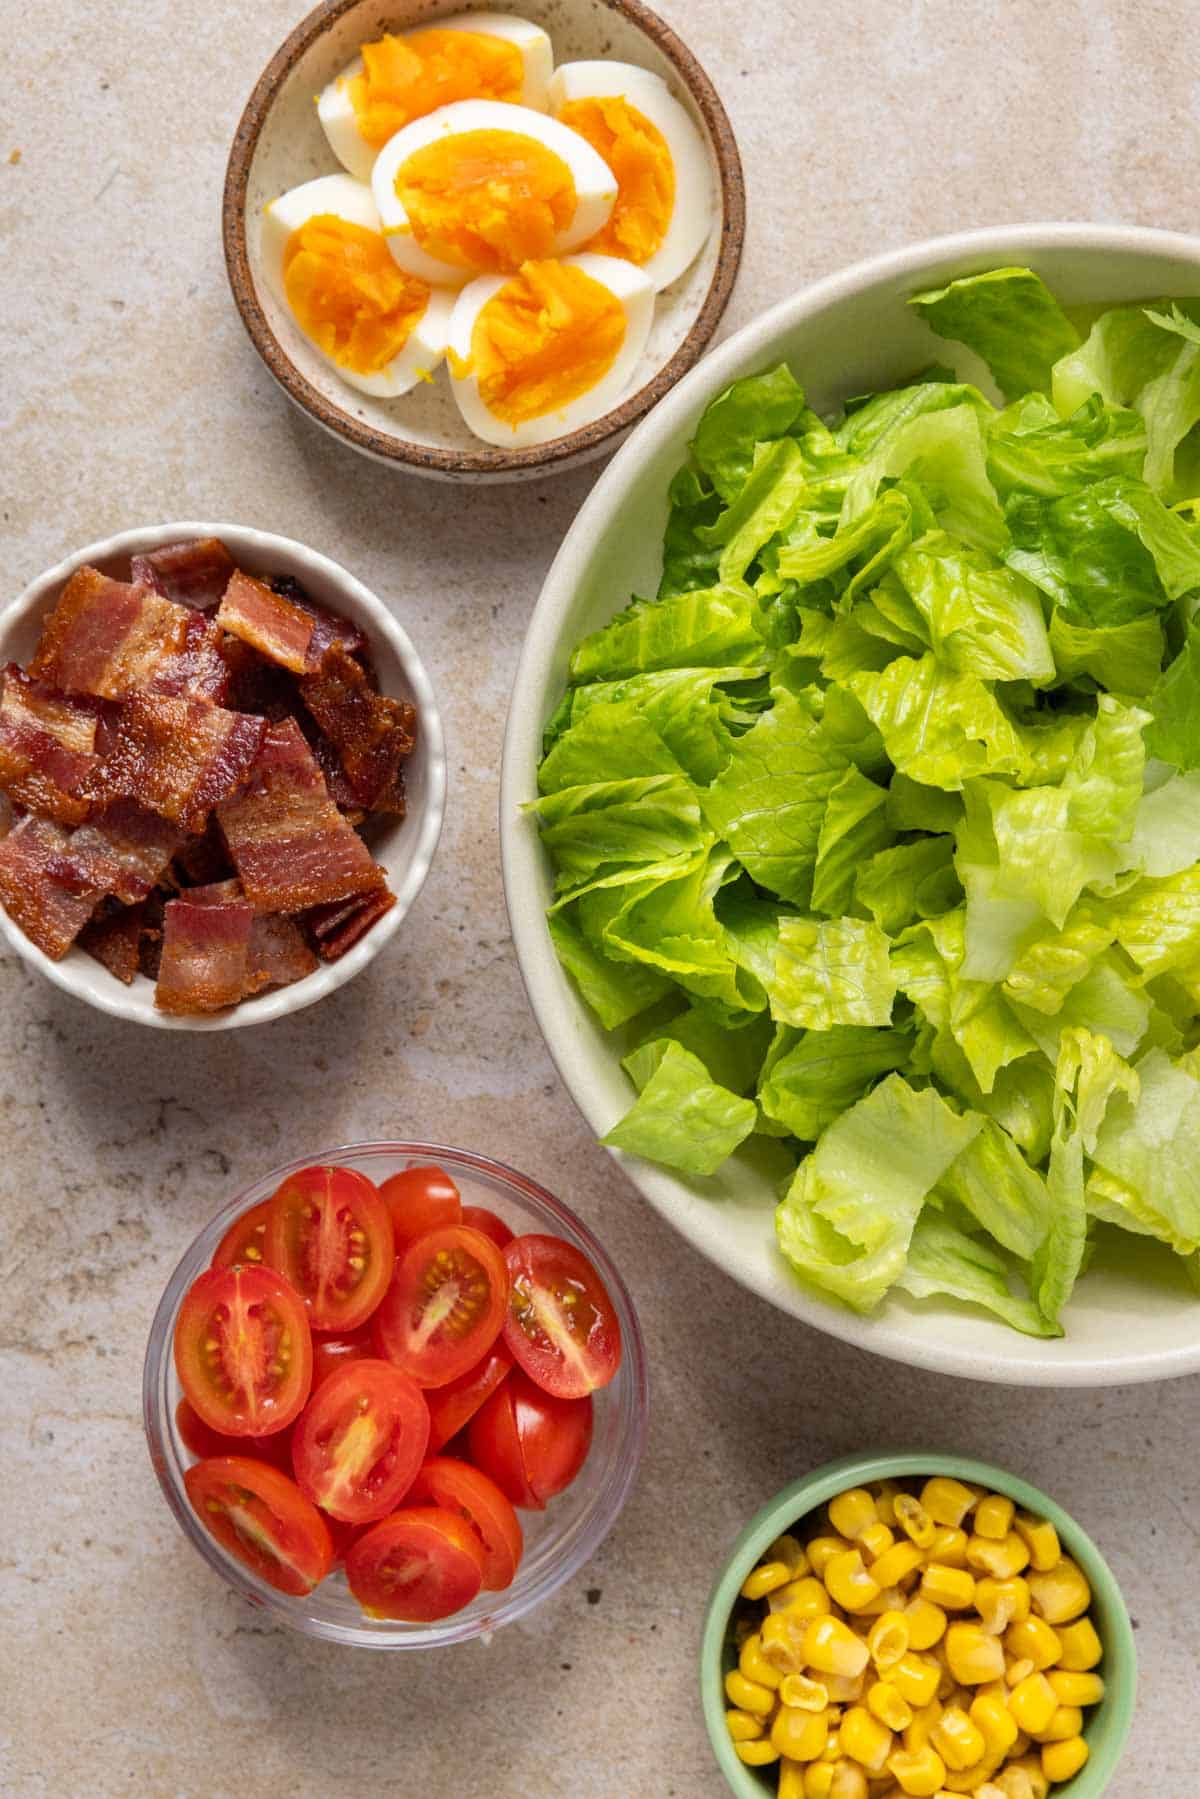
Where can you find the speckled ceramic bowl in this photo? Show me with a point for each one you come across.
(404, 846)
(279, 144)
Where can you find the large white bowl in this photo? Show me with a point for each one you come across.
(404, 846)
(845, 335)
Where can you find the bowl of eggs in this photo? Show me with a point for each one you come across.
(481, 246)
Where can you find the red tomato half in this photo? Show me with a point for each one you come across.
(452, 1405)
(330, 1353)
(445, 1306)
(200, 1440)
(245, 1240)
(459, 1488)
(560, 1325)
(420, 1200)
(243, 1351)
(330, 1234)
(419, 1564)
(360, 1441)
(530, 1443)
(263, 1518)
(480, 1219)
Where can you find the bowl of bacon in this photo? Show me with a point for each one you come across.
(222, 775)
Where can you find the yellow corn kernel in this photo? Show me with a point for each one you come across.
(818, 1778)
(1066, 1722)
(831, 1647)
(951, 1588)
(853, 1512)
(1014, 1782)
(989, 1790)
(889, 1639)
(972, 1655)
(1030, 1766)
(970, 1780)
(759, 1754)
(896, 1564)
(1001, 1603)
(885, 1501)
(1017, 1671)
(1041, 1539)
(1061, 1761)
(822, 1550)
(948, 1546)
(957, 1740)
(764, 1579)
(947, 1500)
(890, 1600)
(754, 1664)
(916, 1734)
(1033, 1640)
(848, 1583)
(994, 1516)
(914, 1520)
(1079, 1646)
(917, 1771)
(803, 1694)
(889, 1706)
(804, 1595)
(846, 1689)
(800, 1736)
(1061, 1593)
(1001, 1560)
(783, 1638)
(948, 1687)
(849, 1781)
(791, 1780)
(743, 1727)
(790, 1551)
(1033, 1704)
(747, 1695)
(916, 1678)
(875, 1539)
(1076, 1688)
(926, 1622)
(995, 1723)
(864, 1739)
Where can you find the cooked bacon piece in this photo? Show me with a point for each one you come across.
(290, 844)
(106, 637)
(199, 668)
(180, 757)
(278, 953)
(203, 967)
(372, 735)
(269, 623)
(115, 940)
(192, 574)
(337, 928)
(39, 886)
(47, 748)
(216, 893)
(328, 627)
(122, 849)
(202, 860)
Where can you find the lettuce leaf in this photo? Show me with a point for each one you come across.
(1148, 1147)
(1174, 703)
(831, 971)
(1010, 319)
(854, 826)
(755, 410)
(615, 991)
(939, 728)
(821, 1074)
(945, 1260)
(681, 1118)
(908, 882)
(1109, 553)
(976, 615)
(711, 627)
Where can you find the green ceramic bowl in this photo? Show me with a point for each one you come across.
(1107, 1724)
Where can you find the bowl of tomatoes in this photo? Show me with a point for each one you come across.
(396, 1394)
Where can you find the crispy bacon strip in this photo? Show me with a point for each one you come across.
(204, 950)
(277, 953)
(122, 850)
(115, 940)
(179, 757)
(338, 928)
(47, 748)
(328, 627)
(40, 888)
(290, 844)
(106, 637)
(372, 735)
(269, 623)
(195, 573)
(199, 668)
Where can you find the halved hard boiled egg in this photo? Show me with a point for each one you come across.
(482, 187)
(665, 206)
(538, 353)
(470, 56)
(325, 255)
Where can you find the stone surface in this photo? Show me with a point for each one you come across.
(130, 394)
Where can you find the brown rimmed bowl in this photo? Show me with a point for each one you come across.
(279, 144)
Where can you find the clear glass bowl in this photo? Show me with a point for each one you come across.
(558, 1541)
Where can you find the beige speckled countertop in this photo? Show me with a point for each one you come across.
(130, 394)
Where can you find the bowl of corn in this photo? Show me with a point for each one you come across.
(914, 1626)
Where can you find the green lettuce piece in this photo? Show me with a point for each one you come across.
(927, 962)
(1104, 1000)
(689, 562)
(831, 971)
(854, 826)
(992, 1181)
(884, 415)
(670, 924)
(876, 533)
(1137, 356)
(1157, 922)
(912, 806)
(712, 627)
(847, 1220)
(1021, 1100)
(976, 615)
(615, 991)
(1147, 1155)
(1054, 962)
(908, 882)
(1166, 830)
(755, 410)
(681, 1117)
(822, 1073)
(1125, 658)
(1052, 456)
(943, 1260)
(733, 1047)
(765, 505)
(945, 453)
(1010, 319)
(1107, 554)
(939, 727)
(1174, 703)
(614, 740)
(610, 826)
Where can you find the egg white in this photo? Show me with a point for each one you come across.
(340, 122)
(622, 279)
(595, 184)
(344, 198)
(695, 209)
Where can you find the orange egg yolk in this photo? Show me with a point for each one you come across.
(348, 295)
(546, 337)
(486, 200)
(637, 153)
(404, 78)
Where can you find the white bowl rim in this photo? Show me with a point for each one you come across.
(519, 850)
(120, 1002)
